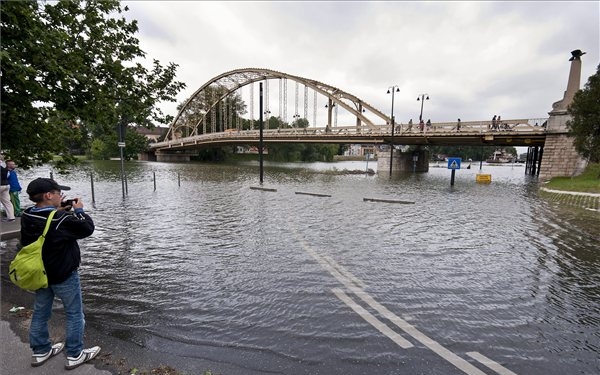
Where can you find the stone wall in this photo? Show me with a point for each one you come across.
(560, 158)
(403, 161)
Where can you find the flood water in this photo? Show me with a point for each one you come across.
(278, 282)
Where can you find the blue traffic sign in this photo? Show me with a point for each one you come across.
(454, 163)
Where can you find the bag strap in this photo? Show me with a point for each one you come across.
(48, 223)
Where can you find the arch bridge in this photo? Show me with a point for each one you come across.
(213, 116)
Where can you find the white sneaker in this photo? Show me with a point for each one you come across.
(40, 359)
(84, 356)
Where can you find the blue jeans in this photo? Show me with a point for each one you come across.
(69, 292)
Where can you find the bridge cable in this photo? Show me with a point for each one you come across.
(296, 102)
(252, 106)
(213, 113)
(306, 102)
(284, 119)
(280, 99)
(315, 109)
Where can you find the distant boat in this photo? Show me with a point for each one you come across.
(500, 157)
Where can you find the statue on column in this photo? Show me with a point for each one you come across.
(573, 83)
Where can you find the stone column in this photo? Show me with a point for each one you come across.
(560, 157)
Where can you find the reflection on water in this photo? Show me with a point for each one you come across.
(212, 267)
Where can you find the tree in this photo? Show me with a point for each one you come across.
(198, 108)
(71, 72)
(584, 126)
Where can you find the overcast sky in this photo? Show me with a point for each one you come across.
(474, 59)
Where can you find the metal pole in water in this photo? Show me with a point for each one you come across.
(121, 145)
(122, 173)
(93, 194)
(260, 141)
(452, 177)
(178, 179)
(154, 178)
(392, 89)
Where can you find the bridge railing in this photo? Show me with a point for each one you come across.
(518, 125)
(439, 128)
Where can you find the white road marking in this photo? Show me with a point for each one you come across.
(437, 348)
(378, 324)
(490, 363)
(345, 272)
(434, 346)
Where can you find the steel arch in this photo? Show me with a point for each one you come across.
(235, 79)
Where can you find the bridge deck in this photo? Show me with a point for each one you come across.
(511, 133)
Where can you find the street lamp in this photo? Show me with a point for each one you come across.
(392, 89)
(422, 98)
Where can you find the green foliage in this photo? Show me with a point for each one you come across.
(584, 126)
(100, 150)
(306, 152)
(70, 75)
(468, 152)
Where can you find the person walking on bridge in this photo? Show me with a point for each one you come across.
(61, 257)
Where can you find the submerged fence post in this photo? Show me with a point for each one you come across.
(154, 176)
(178, 179)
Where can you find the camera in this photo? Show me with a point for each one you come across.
(68, 202)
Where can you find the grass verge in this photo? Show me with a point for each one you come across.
(587, 182)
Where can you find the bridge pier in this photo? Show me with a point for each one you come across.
(169, 157)
(412, 161)
(534, 159)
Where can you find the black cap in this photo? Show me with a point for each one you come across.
(44, 185)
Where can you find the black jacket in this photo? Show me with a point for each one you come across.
(3, 175)
(60, 253)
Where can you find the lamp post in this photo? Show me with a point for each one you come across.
(422, 98)
(392, 89)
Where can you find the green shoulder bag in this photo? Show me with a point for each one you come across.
(27, 269)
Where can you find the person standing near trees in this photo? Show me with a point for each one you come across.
(5, 192)
(15, 187)
(61, 257)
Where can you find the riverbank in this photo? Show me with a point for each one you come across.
(118, 357)
(580, 191)
(587, 182)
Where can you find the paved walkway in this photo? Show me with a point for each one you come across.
(571, 192)
(15, 355)
(10, 230)
(15, 358)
